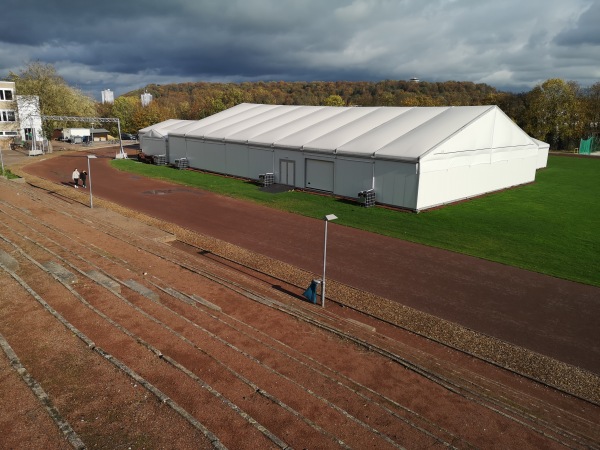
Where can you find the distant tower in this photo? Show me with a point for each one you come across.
(108, 96)
(146, 98)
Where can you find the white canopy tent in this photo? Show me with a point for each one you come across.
(544, 148)
(414, 158)
(153, 139)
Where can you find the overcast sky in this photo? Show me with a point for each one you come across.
(126, 44)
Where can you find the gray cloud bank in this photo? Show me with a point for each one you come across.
(124, 45)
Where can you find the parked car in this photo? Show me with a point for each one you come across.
(128, 137)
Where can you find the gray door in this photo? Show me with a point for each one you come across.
(287, 169)
(319, 174)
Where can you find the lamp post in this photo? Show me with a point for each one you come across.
(327, 218)
(89, 180)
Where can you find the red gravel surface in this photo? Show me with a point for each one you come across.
(554, 317)
(114, 338)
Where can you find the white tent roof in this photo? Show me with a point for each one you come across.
(400, 133)
(154, 134)
(191, 128)
(161, 125)
(541, 144)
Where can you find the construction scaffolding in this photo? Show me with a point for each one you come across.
(121, 154)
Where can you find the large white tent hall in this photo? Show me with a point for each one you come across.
(412, 157)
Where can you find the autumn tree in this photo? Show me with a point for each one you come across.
(262, 95)
(591, 102)
(554, 113)
(124, 109)
(145, 116)
(56, 97)
(334, 100)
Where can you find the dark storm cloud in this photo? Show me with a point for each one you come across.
(124, 45)
(585, 31)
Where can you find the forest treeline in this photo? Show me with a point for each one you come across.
(556, 111)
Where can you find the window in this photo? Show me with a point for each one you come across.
(6, 94)
(7, 116)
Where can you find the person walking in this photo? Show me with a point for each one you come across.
(83, 176)
(76, 178)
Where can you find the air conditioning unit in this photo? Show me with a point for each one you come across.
(160, 160)
(367, 198)
(182, 163)
(266, 179)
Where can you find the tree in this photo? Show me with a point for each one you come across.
(514, 105)
(385, 99)
(124, 109)
(334, 100)
(591, 100)
(262, 95)
(56, 97)
(554, 112)
(148, 115)
(232, 96)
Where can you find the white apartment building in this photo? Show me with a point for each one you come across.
(9, 125)
(19, 117)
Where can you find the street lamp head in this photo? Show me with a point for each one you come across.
(330, 217)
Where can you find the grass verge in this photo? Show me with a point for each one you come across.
(8, 174)
(550, 226)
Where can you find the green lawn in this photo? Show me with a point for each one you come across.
(551, 226)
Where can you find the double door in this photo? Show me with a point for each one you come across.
(287, 171)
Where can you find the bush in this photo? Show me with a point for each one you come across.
(8, 174)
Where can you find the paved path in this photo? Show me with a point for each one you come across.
(554, 317)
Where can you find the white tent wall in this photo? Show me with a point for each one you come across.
(353, 175)
(543, 149)
(222, 157)
(154, 140)
(207, 155)
(486, 155)
(299, 166)
(451, 177)
(177, 148)
(237, 159)
(396, 183)
(542, 159)
(153, 146)
(260, 161)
